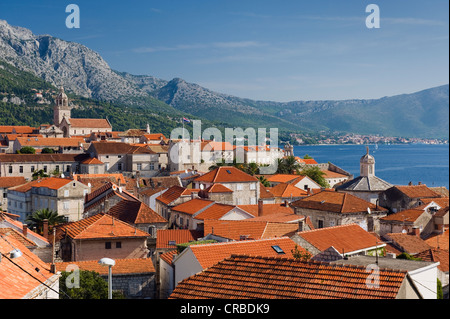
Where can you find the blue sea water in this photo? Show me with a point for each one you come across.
(396, 164)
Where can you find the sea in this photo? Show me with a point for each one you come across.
(397, 164)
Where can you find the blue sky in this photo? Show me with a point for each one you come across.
(264, 50)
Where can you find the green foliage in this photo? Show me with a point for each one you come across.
(26, 150)
(47, 150)
(39, 174)
(92, 286)
(316, 175)
(288, 165)
(407, 256)
(307, 157)
(37, 219)
(301, 255)
(440, 292)
(263, 181)
(183, 246)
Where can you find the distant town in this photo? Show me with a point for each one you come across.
(351, 138)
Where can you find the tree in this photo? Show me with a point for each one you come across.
(91, 286)
(288, 165)
(316, 175)
(27, 150)
(301, 255)
(47, 150)
(307, 157)
(38, 217)
(39, 174)
(264, 181)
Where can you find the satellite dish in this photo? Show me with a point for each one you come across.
(186, 171)
(62, 175)
(404, 231)
(368, 210)
(202, 186)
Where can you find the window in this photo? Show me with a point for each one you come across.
(239, 187)
(68, 168)
(57, 168)
(152, 166)
(66, 205)
(253, 201)
(172, 243)
(118, 244)
(10, 169)
(139, 166)
(252, 186)
(278, 249)
(20, 169)
(32, 169)
(45, 168)
(320, 223)
(119, 166)
(108, 245)
(66, 193)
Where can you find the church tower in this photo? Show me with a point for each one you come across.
(61, 108)
(367, 164)
(288, 149)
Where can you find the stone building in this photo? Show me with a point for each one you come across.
(367, 186)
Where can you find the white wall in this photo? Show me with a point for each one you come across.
(186, 265)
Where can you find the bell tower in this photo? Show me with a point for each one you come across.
(61, 108)
(367, 164)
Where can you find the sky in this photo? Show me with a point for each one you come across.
(286, 50)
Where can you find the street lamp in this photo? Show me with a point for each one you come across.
(110, 263)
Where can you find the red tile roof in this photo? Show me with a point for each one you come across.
(216, 211)
(216, 146)
(336, 202)
(51, 141)
(178, 236)
(285, 190)
(101, 226)
(282, 178)
(52, 182)
(410, 244)
(344, 238)
(92, 161)
(417, 191)
(439, 240)
(209, 254)
(407, 215)
(173, 193)
(218, 188)
(6, 182)
(268, 209)
(226, 174)
(436, 255)
(248, 229)
(15, 283)
(89, 123)
(135, 212)
(279, 278)
(132, 266)
(16, 129)
(193, 206)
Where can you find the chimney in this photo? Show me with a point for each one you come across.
(260, 207)
(415, 231)
(419, 183)
(24, 230)
(286, 203)
(45, 228)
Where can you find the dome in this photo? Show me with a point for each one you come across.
(61, 94)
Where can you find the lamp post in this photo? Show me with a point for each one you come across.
(110, 263)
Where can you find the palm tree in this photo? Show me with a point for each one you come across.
(38, 217)
(264, 181)
(288, 165)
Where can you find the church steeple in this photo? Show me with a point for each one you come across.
(61, 108)
(367, 164)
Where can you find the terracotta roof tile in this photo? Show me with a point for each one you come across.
(336, 202)
(174, 193)
(268, 209)
(436, 255)
(52, 182)
(248, 229)
(209, 254)
(218, 188)
(51, 141)
(280, 278)
(417, 191)
(285, 190)
(100, 226)
(14, 282)
(130, 266)
(6, 182)
(165, 237)
(135, 212)
(226, 174)
(344, 238)
(216, 211)
(409, 215)
(282, 178)
(42, 158)
(410, 244)
(193, 206)
(439, 240)
(89, 123)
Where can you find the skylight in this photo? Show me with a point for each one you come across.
(278, 249)
(228, 171)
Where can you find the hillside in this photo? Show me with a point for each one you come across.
(87, 75)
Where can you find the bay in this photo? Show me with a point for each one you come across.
(396, 164)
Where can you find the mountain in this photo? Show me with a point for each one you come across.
(84, 73)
